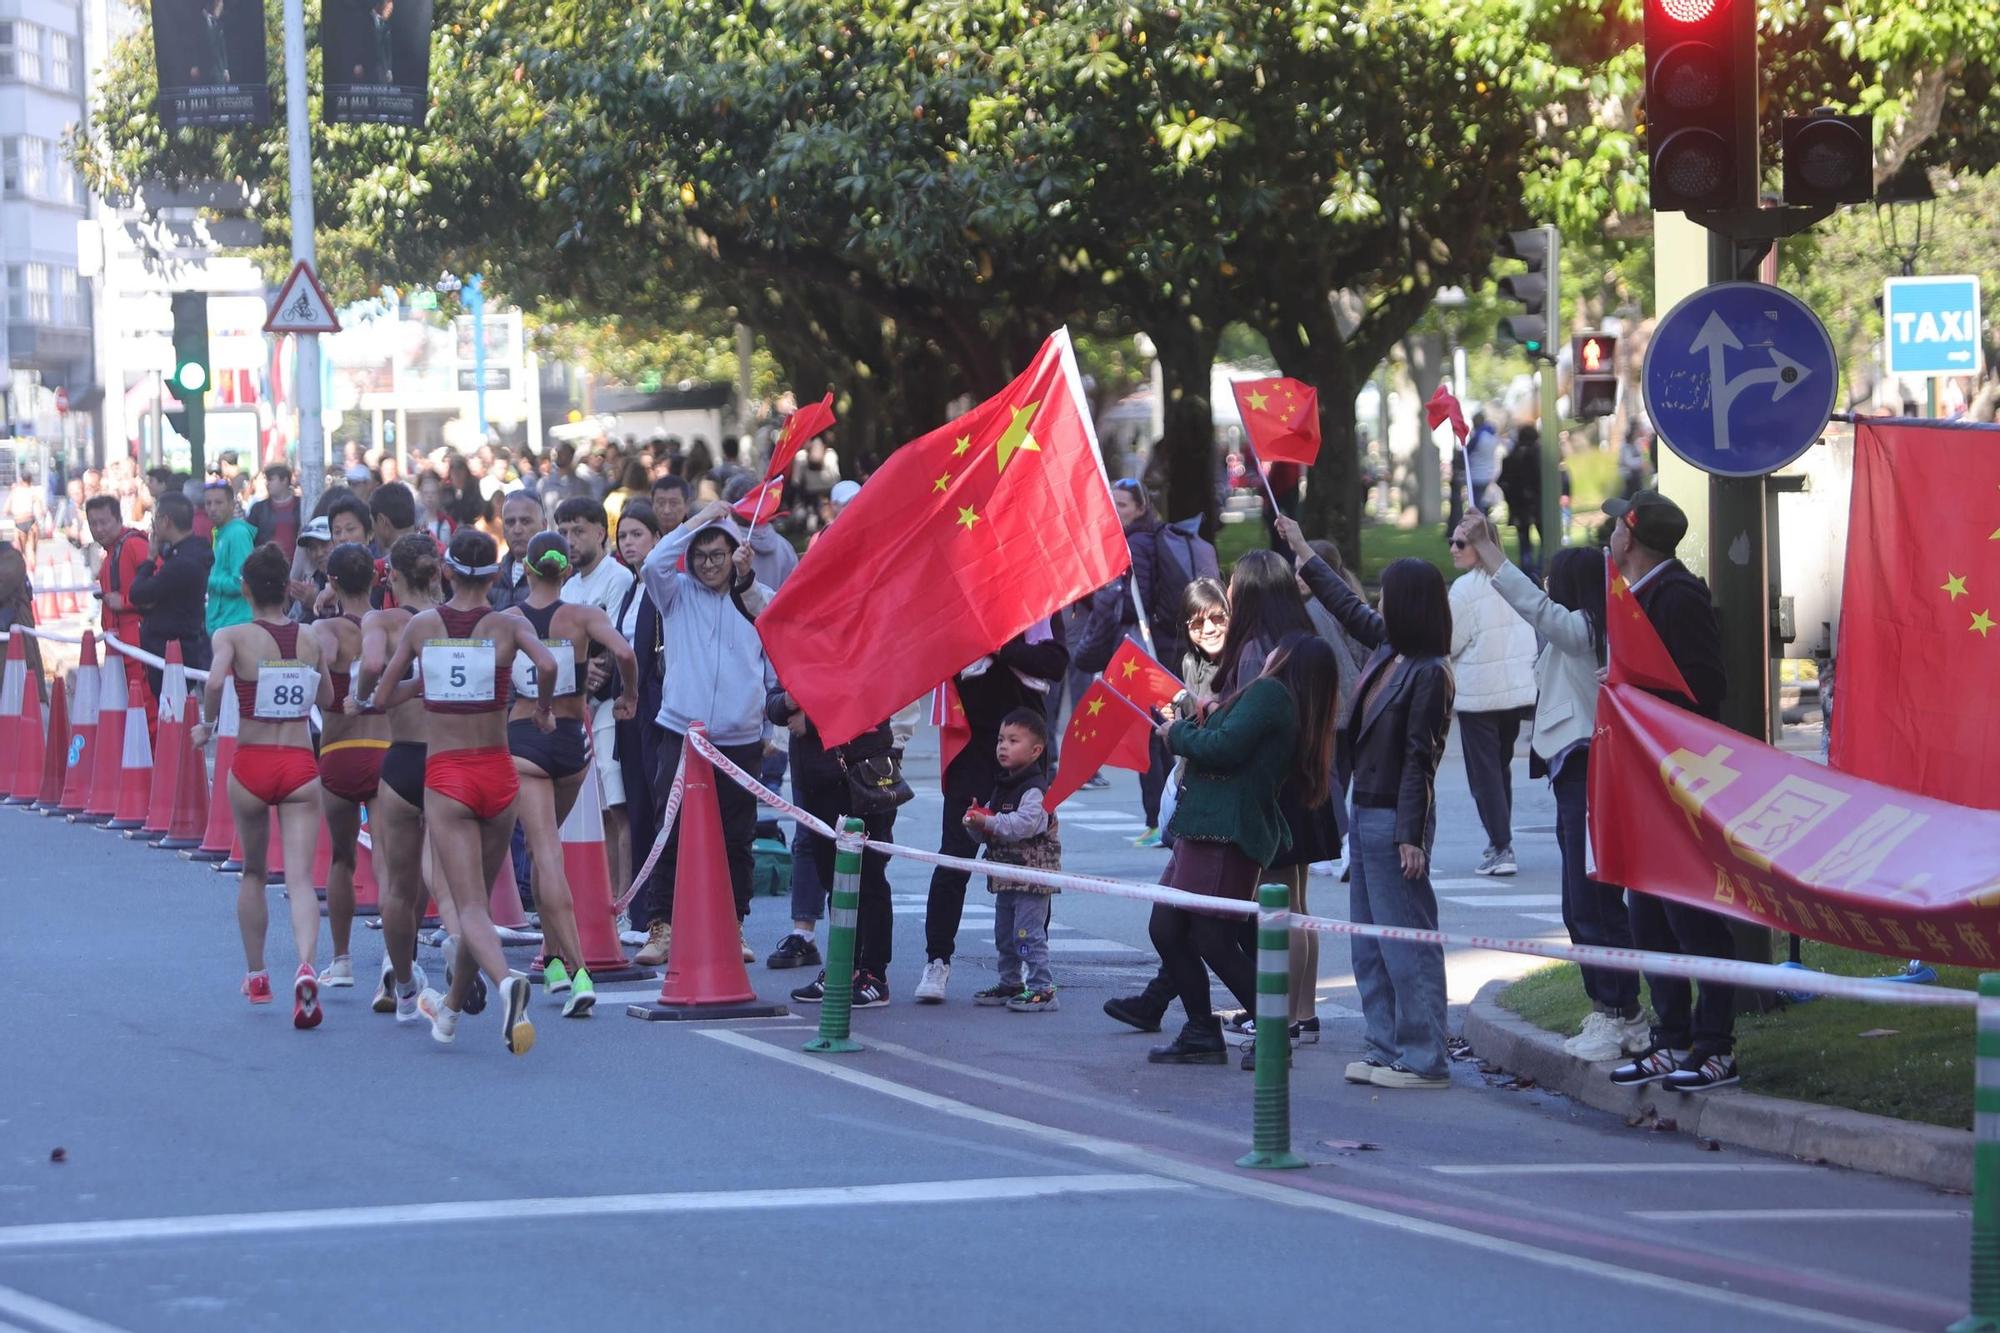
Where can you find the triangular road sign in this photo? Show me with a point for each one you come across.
(302, 306)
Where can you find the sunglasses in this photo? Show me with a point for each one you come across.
(1459, 544)
(1215, 618)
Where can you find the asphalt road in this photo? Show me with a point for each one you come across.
(220, 1171)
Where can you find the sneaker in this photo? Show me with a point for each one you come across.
(1595, 1041)
(1716, 1071)
(931, 989)
(518, 1031)
(555, 977)
(1239, 1021)
(659, 936)
(1035, 1002)
(305, 998)
(1305, 1032)
(1096, 782)
(582, 995)
(743, 938)
(995, 996)
(1131, 1011)
(870, 991)
(257, 985)
(813, 992)
(1502, 865)
(1150, 838)
(1324, 868)
(632, 939)
(1363, 1071)
(340, 972)
(1634, 1034)
(795, 950)
(1655, 1064)
(475, 1000)
(1395, 1076)
(385, 995)
(444, 1018)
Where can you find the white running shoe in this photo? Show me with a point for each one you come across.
(1596, 1041)
(1325, 868)
(1634, 1034)
(444, 1019)
(407, 1010)
(931, 989)
(340, 972)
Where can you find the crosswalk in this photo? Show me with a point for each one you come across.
(977, 923)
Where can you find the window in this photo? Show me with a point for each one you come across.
(62, 69)
(28, 292)
(69, 190)
(7, 31)
(72, 309)
(35, 167)
(21, 51)
(10, 165)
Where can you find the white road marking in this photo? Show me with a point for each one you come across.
(1141, 1159)
(1621, 1168)
(1109, 825)
(1089, 946)
(214, 1225)
(1806, 1215)
(52, 1318)
(1472, 882)
(1508, 900)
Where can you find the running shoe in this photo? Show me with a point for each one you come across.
(475, 1000)
(1096, 782)
(518, 1031)
(930, 990)
(1650, 1067)
(444, 1018)
(795, 950)
(305, 999)
(582, 996)
(743, 938)
(870, 991)
(340, 973)
(1150, 838)
(385, 995)
(995, 996)
(257, 985)
(1715, 1071)
(1034, 1002)
(556, 977)
(813, 992)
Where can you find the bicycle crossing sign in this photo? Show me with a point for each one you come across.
(302, 306)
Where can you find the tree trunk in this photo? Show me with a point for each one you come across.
(1427, 360)
(1187, 356)
(1331, 506)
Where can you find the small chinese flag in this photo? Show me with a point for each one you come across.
(1637, 656)
(1104, 729)
(1443, 406)
(948, 716)
(762, 502)
(1281, 417)
(1139, 678)
(799, 430)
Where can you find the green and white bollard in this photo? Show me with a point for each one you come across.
(1985, 1312)
(837, 1008)
(1272, 1135)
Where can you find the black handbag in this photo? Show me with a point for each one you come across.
(874, 771)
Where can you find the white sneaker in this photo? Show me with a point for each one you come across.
(1325, 868)
(1597, 1042)
(444, 1018)
(1634, 1035)
(340, 972)
(406, 1005)
(931, 989)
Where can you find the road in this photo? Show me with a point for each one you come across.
(221, 1171)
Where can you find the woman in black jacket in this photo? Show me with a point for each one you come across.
(636, 738)
(1401, 717)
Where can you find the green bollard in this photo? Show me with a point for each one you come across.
(836, 1010)
(1272, 1136)
(1984, 1316)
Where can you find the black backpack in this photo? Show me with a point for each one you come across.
(1180, 556)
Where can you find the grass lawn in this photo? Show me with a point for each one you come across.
(1815, 1052)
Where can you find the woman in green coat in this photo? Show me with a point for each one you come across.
(1228, 827)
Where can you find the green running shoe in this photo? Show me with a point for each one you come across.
(582, 996)
(555, 976)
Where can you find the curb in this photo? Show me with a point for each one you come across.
(1928, 1154)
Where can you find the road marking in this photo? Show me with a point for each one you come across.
(1089, 946)
(53, 1318)
(1142, 1159)
(1472, 882)
(1104, 825)
(1620, 1168)
(1806, 1215)
(215, 1225)
(1553, 918)
(1509, 900)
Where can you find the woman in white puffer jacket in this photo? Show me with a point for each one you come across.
(1493, 666)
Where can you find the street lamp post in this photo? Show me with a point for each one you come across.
(1905, 209)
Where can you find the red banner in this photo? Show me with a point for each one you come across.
(1686, 809)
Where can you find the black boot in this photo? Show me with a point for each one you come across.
(1144, 1010)
(1198, 1044)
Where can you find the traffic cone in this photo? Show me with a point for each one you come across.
(219, 832)
(75, 575)
(171, 732)
(705, 974)
(55, 757)
(28, 741)
(367, 892)
(135, 773)
(85, 684)
(110, 744)
(190, 813)
(17, 731)
(46, 603)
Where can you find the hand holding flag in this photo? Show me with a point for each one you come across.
(761, 502)
(1443, 406)
(1138, 678)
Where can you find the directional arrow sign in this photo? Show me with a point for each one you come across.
(1740, 379)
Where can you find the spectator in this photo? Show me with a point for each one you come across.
(361, 481)
(771, 556)
(562, 481)
(17, 605)
(1350, 658)
(275, 518)
(170, 589)
(431, 515)
(670, 501)
(632, 485)
(730, 470)
(1018, 830)
(596, 579)
(1635, 465)
(1521, 485)
(1493, 672)
(639, 621)
(520, 520)
(1694, 1040)
(124, 555)
(815, 472)
(1482, 450)
(696, 466)
(232, 543)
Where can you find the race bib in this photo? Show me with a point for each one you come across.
(526, 679)
(458, 671)
(285, 691)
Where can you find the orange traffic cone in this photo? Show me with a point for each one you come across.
(102, 801)
(135, 773)
(55, 759)
(588, 870)
(82, 731)
(705, 975)
(75, 575)
(190, 813)
(47, 604)
(219, 833)
(172, 739)
(20, 723)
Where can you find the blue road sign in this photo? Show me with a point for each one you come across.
(1931, 326)
(1740, 379)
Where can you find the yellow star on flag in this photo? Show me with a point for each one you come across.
(966, 517)
(1256, 400)
(1016, 436)
(1981, 622)
(941, 482)
(1096, 706)
(1131, 670)
(1954, 584)
(959, 446)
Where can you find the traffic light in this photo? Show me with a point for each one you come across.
(1701, 103)
(1535, 331)
(190, 378)
(1593, 385)
(1829, 159)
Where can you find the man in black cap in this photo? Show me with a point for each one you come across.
(1694, 1039)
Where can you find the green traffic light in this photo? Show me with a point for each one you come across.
(191, 376)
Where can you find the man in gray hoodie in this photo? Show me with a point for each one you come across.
(717, 675)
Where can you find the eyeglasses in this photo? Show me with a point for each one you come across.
(1218, 619)
(715, 557)
(1459, 545)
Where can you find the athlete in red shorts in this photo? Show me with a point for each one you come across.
(351, 746)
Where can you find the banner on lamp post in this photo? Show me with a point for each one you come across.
(377, 57)
(209, 55)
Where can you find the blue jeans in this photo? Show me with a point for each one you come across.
(1593, 912)
(1021, 934)
(1402, 985)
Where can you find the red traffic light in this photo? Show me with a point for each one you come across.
(1593, 353)
(1701, 103)
(1687, 11)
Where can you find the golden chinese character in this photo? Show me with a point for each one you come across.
(1781, 819)
(1974, 942)
(1694, 779)
(1862, 850)
(1864, 930)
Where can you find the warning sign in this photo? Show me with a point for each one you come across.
(302, 306)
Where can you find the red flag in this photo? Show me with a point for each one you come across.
(1637, 655)
(761, 502)
(961, 540)
(1139, 678)
(1104, 729)
(1919, 653)
(1281, 417)
(1442, 406)
(948, 716)
(799, 430)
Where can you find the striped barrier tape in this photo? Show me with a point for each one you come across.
(111, 641)
(672, 812)
(1758, 976)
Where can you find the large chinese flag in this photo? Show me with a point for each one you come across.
(963, 539)
(1916, 701)
(1103, 729)
(1636, 655)
(1281, 417)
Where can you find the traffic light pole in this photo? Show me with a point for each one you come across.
(298, 145)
